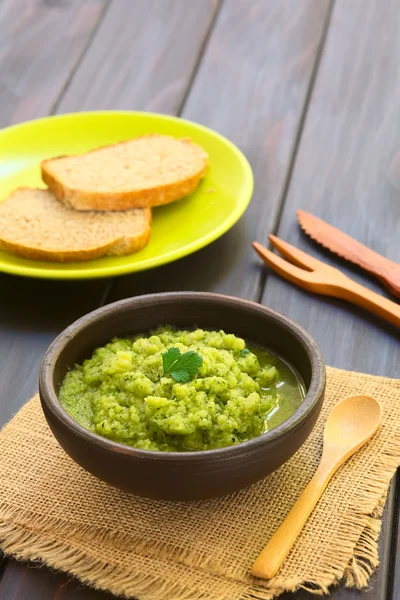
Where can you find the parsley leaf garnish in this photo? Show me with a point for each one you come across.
(181, 367)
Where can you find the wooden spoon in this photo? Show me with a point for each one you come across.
(350, 424)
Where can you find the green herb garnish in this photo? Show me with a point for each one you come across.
(244, 352)
(181, 367)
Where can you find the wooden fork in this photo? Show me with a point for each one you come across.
(316, 276)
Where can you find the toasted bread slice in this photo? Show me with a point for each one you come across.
(146, 171)
(34, 224)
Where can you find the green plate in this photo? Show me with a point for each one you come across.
(178, 229)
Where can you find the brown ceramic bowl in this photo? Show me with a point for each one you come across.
(183, 475)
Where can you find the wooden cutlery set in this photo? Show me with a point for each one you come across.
(316, 276)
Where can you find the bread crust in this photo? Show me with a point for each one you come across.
(118, 247)
(80, 200)
(141, 198)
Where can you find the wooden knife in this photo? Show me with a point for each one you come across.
(387, 271)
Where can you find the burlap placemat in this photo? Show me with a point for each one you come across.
(53, 511)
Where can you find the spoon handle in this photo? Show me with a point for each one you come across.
(271, 558)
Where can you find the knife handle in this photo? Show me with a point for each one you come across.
(391, 281)
(387, 271)
(369, 300)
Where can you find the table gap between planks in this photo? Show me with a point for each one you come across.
(274, 77)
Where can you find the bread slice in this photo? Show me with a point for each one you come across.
(146, 171)
(34, 224)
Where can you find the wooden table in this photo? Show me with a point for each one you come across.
(308, 89)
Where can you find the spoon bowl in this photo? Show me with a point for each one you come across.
(351, 423)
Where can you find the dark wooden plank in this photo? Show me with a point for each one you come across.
(251, 86)
(32, 582)
(394, 586)
(33, 312)
(41, 42)
(37, 583)
(302, 34)
(20, 581)
(346, 172)
(142, 57)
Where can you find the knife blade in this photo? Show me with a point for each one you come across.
(387, 271)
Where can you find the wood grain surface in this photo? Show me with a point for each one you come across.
(33, 582)
(33, 312)
(251, 86)
(394, 537)
(27, 328)
(317, 119)
(41, 43)
(134, 61)
(341, 173)
(344, 173)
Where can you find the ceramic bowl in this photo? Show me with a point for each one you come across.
(183, 475)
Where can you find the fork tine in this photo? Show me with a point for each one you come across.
(282, 266)
(298, 257)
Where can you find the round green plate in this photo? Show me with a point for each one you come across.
(178, 229)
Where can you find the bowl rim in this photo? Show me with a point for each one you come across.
(49, 398)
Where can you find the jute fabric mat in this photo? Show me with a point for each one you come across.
(52, 511)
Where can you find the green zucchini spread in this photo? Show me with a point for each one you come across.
(227, 394)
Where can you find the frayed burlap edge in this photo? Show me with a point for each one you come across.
(350, 562)
(29, 545)
(351, 558)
